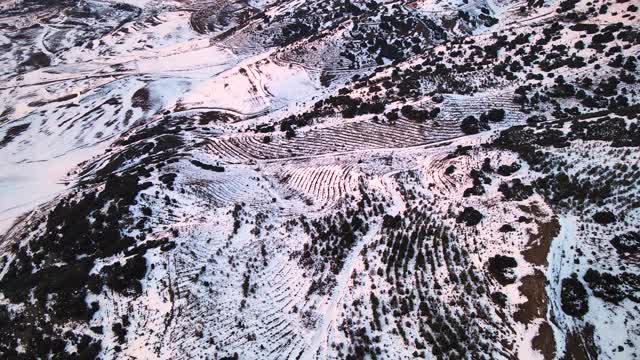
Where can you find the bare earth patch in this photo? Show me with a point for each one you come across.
(581, 346)
(539, 244)
(536, 305)
(544, 342)
(533, 286)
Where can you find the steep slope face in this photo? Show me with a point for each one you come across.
(321, 180)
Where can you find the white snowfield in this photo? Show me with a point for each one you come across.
(319, 179)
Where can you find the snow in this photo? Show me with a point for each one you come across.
(330, 309)
(193, 301)
(252, 86)
(27, 183)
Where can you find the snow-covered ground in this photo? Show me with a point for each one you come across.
(319, 180)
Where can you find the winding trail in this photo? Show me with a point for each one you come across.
(331, 308)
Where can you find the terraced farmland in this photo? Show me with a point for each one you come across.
(319, 179)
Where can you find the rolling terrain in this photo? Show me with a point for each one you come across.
(319, 179)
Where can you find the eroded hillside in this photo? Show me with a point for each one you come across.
(319, 179)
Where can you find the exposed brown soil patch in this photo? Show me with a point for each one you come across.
(536, 305)
(540, 243)
(544, 342)
(533, 286)
(581, 346)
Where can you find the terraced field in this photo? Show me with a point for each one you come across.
(349, 137)
(319, 179)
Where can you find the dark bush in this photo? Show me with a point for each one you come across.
(517, 191)
(604, 217)
(141, 99)
(627, 242)
(535, 119)
(120, 332)
(493, 115)
(573, 297)
(470, 125)
(207, 166)
(125, 279)
(391, 222)
(508, 170)
(168, 179)
(501, 267)
(469, 216)
(614, 288)
(506, 228)
(12, 133)
(499, 298)
(38, 60)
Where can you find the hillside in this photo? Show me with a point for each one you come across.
(315, 179)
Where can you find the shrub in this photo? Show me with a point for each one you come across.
(207, 166)
(604, 217)
(506, 228)
(469, 216)
(573, 297)
(501, 266)
(125, 279)
(508, 170)
(516, 192)
(613, 288)
(493, 115)
(499, 298)
(120, 332)
(470, 125)
(627, 242)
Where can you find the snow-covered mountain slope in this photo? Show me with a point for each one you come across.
(319, 179)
